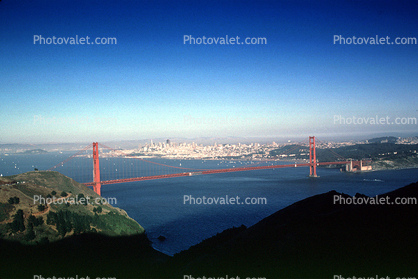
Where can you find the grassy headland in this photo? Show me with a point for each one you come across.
(26, 215)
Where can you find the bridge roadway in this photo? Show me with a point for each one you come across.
(124, 180)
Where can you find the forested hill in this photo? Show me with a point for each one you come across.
(374, 151)
(42, 206)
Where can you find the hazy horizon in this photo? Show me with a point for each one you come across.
(129, 143)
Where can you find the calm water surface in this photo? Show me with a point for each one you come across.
(158, 205)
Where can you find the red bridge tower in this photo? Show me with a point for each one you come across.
(96, 169)
(312, 157)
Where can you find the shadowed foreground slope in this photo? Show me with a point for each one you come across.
(312, 238)
(315, 238)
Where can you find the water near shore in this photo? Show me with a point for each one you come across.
(159, 205)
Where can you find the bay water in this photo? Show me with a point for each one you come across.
(163, 206)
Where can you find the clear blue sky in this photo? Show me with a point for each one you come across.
(150, 84)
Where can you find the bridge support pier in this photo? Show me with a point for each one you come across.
(312, 157)
(349, 166)
(96, 169)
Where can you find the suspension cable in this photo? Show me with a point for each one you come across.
(69, 158)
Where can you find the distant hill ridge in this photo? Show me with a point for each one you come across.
(383, 140)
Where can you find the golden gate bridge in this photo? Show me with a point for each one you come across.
(138, 169)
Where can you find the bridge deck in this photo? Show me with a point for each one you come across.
(115, 181)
